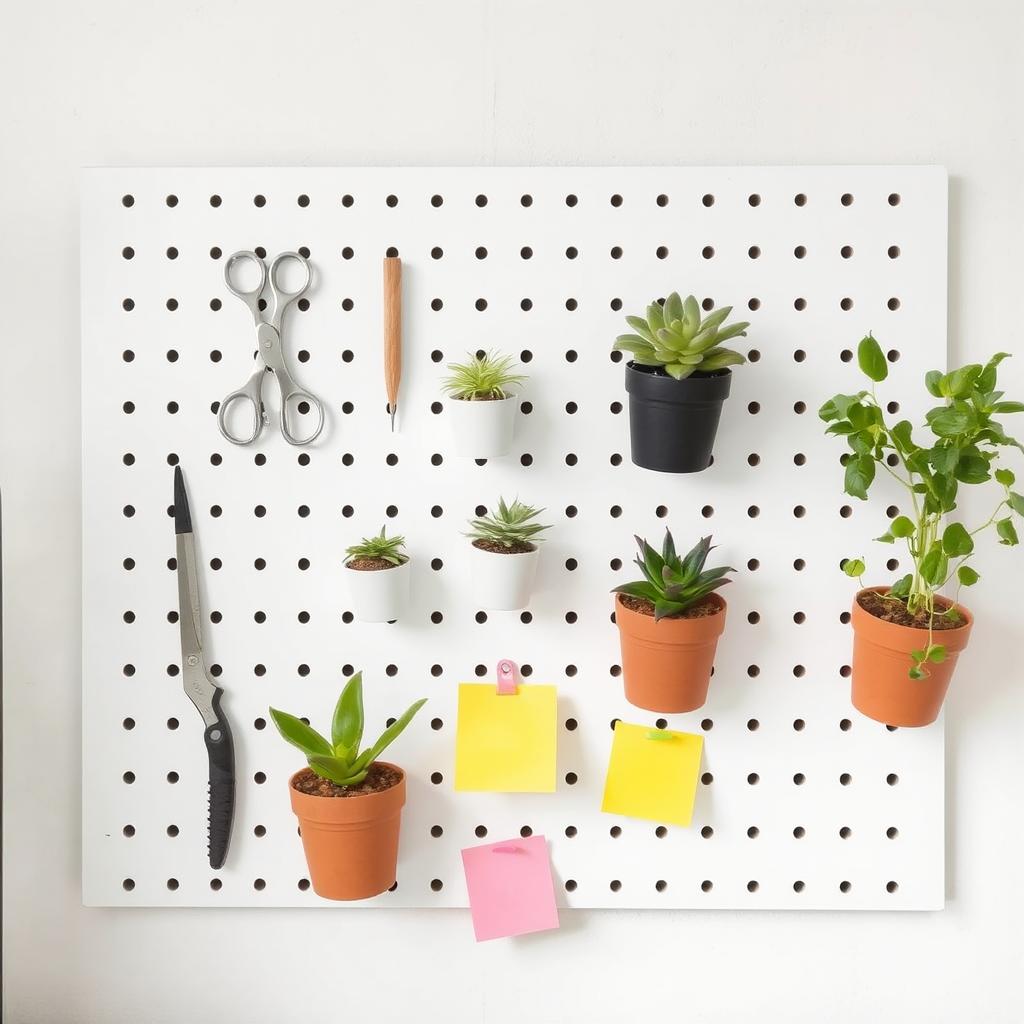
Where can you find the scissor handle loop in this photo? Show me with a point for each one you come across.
(249, 393)
(297, 394)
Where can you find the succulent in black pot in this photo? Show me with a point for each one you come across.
(677, 379)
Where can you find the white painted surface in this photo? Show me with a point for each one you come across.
(590, 83)
(784, 755)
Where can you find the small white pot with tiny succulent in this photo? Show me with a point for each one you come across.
(481, 407)
(504, 555)
(377, 570)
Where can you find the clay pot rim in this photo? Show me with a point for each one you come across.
(892, 630)
(348, 799)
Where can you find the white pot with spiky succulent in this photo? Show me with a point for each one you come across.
(378, 575)
(504, 555)
(677, 380)
(482, 402)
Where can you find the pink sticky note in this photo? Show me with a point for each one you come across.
(510, 887)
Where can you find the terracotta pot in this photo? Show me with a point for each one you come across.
(881, 688)
(666, 665)
(351, 843)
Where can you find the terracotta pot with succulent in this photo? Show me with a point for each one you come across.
(669, 624)
(505, 555)
(481, 408)
(906, 636)
(377, 570)
(677, 380)
(348, 803)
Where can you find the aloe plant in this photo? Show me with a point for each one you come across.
(673, 583)
(675, 337)
(340, 760)
(485, 377)
(381, 546)
(509, 526)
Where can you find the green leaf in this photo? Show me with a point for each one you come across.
(673, 308)
(1005, 477)
(663, 608)
(947, 421)
(388, 736)
(1016, 502)
(987, 379)
(871, 359)
(1007, 532)
(668, 548)
(860, 472)
(655, 316)
(944, 459)
(720, 360)
(916, 672)
(935, 565)
(854, 567)
(337, 770)
(679, 370)
(972, 469)
(300, 735)
(961, 382)
(932, 381)
(638, 589)
(633, 343)
(901, 588)
(640, 325)
(1008, 407)
(967, 576)
(886, 538)
(901, 526)
(347, 724)
(901, 436)
(937, 654)
(956, 541)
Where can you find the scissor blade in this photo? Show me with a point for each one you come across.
(197, 684)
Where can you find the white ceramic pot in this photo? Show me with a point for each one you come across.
(378, 595)
(482, 430)
(503, 582)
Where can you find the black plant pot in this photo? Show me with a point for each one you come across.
(672, 423)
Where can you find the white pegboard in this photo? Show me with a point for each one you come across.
(821, 255)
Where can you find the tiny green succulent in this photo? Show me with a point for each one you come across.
(381, 546)
(340, 760)
(511, 525)
(675, 337)
(673, 584)
(485, 377)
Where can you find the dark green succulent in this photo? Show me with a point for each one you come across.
(677, 339)
(673, 584)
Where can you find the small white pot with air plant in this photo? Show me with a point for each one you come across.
(504, 556)
(481, 408)
(377, 570)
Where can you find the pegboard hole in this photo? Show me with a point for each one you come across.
(845, 886)
(799, 832)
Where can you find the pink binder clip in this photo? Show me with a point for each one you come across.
(508, 672)
(506, 848)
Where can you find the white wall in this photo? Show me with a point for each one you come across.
(461, 82)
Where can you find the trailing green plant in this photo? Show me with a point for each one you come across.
(380, 546)
(485, 377)
(677, 339)
(673, 583)
(966, 441)
(340, 760)
(510, 525)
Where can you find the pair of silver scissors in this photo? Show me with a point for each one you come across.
(269, 350)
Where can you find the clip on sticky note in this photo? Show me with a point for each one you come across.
(508, 672)
(505, 849)
(659, 734)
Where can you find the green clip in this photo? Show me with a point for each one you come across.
(659, 734)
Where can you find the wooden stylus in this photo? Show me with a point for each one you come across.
(392, 331)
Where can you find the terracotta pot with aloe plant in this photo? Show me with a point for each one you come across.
(348, 803)
(669, 624)
(909, 634)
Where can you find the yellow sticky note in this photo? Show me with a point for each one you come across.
(652, 773)
(506, 743)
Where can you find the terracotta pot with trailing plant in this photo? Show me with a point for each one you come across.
(377, 571)
(669, 624)
(677, 379)
(907, 636)
(348, 803)
(482, 403)
(504, 555)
